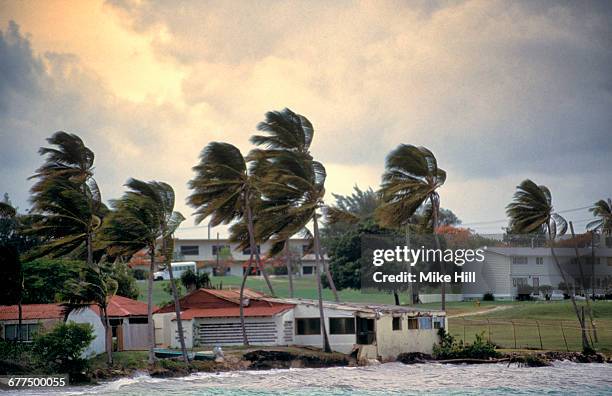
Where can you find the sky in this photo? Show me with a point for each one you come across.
(499, 91)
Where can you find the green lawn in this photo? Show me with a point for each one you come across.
(303, 288)
(518, 318)
(536, 325)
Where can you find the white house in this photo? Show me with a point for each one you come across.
(212, 317)
(212, 254)
(127, 317)
(506, 269)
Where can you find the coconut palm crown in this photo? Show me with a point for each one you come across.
(603, 211)
(531, 209)
(411, 177)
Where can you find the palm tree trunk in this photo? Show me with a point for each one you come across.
(150, 307)
(435, 207)
(245, 339)
(319, 256)
(326, 346)
(289, 265)
(177, 305)
(19, 319)
(89, 249)
(108, 332)
(585, 340)
(582, 282)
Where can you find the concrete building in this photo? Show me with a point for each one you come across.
(212, 317)
(221, 255)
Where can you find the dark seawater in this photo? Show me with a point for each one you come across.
(386, 379)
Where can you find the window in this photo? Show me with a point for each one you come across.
(540, 260)
(425, 323)
(247, 251)
(27, 331)
(139, 320)
(307, 270)
(413, 323)
(519, 260)
(190, 250)
(518, 282)
(397, 324)
(536, 282)
(341, 325)
(308, 326)
(438, 322)
(218, 248)
(305, 249)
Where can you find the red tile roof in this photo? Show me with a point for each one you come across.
(212, 303)
(119, 306)
(32, 311)
(234, 312)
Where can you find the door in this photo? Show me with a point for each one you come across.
(366, 334)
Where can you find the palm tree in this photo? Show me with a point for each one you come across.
(411, 181)
(531, 210)
(292, 187)
(224, 191)
(143, 217)
(96, 286)
(602, 209)
(66, 200)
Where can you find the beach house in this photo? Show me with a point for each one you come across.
(212, 317)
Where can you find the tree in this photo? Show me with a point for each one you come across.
(531, 210)
(410, 181)
(292, 187)
(94, 286)
(66, 200)
(60, 349)
(602, 210)
(126, 282)
(192, 281)
(143, 216)
(224, 191)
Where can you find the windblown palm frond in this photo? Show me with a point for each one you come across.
(411, 177)
(531, 209)
(219, 185)
(66, 202)
(602, 210)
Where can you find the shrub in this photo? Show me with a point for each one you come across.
(60, 349)
(126, 282)
(140, 274)
(449, 348)
(488, 297)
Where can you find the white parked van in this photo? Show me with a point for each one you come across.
(177, 270)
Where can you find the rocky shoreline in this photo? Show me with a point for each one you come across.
(261, 359)
(536, 359)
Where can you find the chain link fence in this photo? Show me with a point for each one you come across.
(560, 335)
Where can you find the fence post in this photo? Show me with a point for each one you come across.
(539, 334)
(464, 332)
(564, 339)
(489, 328)
(514, 333)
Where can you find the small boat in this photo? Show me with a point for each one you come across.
(167, 353)
(173, 353)
(204, 356)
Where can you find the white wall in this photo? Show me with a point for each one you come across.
(87, 315)
(205, 248)
(391, 343)
(339, 342)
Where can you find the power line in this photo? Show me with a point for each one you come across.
(506, 219)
